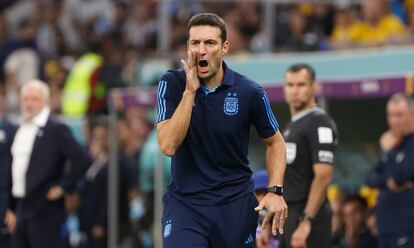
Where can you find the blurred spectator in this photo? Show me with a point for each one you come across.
(55, 76)
(243, 23)
(321, 20)
(20, 62)
(79, 84)
(98, 12)
(3, 32)
(347, 29)
(394, 176)
(397, 8)
(129, 154)
(47, 32)
(411, 23)
(380, 25)
(7, 132)
(94, 207)
(371, 224)
(141, 27)
(240, 44)
(41, 148)
(356, 234)
(299, 38)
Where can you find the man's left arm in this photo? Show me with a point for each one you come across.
(404, 172)
(276, 163)
(317, 195)
(79, 162)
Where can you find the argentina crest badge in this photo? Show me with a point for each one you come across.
(231, 104)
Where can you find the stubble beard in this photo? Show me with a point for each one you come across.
(300, 107)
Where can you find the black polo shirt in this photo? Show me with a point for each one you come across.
(310, 138)
(211, 166)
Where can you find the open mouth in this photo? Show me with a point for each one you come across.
(203, 66)
(203, 63)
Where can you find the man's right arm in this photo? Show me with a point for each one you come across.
(171, 132)
(377, 178)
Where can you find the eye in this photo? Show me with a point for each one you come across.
(210, 42)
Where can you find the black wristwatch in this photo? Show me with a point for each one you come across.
(278, 190)
(305, 217)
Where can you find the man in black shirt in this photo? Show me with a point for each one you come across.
(311, 138)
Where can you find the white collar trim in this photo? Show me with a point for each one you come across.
(306, 112)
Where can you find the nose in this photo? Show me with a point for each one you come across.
(295, 90)
(202, 48)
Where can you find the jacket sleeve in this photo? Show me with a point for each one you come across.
(404, 172)
(10, 201)
(74, 153)
(376, 178)
(101, 219)
(4, 198)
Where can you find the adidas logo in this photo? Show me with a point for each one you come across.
(249, 239)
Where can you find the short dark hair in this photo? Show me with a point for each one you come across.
(300, 66)
(208, 19)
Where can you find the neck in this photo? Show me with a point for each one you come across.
(215, 80)
(294, 111)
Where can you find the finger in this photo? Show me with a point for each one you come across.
(282, 221)
(275, 224)
(266, 220)
(185, 66)
(260, 206)
(281, 225)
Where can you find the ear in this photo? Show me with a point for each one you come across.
(317, 88)
(225, 48)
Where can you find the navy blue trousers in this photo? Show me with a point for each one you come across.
(231, 225)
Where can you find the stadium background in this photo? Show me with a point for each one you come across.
(133, 42)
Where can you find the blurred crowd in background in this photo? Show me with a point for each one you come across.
(54, 39)
(83, 48)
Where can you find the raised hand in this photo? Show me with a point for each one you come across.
(190, 68)
(388, 140)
